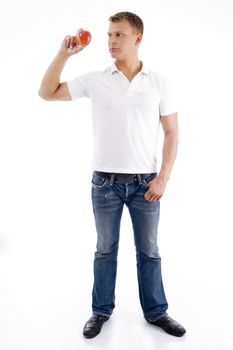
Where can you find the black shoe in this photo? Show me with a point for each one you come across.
(93, 325)
(169, 325)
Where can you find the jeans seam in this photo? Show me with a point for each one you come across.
(141, 284)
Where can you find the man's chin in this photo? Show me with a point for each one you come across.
(114, 53)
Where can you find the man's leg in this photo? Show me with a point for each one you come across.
(145, 219)
(107, 209)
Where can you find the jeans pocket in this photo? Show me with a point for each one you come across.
(149, 178)
(98, 181)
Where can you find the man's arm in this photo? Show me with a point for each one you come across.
(157, 186)
(51, 88)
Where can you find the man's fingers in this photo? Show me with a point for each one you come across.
(67, 41)
(71, 46)
(150, 196)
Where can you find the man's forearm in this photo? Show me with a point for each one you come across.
(157, 186)
(51, 79)
(169, 155)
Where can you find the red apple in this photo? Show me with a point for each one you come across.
(83, 37)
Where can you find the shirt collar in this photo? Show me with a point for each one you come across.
(144, 69)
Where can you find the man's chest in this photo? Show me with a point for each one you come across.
(117, 93)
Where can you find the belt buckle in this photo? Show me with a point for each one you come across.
(125, 178)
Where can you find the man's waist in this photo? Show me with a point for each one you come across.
(123, 177)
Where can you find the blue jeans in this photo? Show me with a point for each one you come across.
(108, 199)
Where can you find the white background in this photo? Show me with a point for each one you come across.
(47, 232)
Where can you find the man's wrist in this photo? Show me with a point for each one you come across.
(62, 55)
(163, 177)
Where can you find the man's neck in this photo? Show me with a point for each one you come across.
(129, 68)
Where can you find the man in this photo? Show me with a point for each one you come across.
(128, 103)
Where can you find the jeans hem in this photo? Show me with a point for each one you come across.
(101, 313)
(156, 318)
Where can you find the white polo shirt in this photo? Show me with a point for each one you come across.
(126, 117)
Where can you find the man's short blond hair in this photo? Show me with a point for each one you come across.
(133, 20)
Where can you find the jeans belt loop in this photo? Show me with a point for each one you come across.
(112, 179)
(139, 179)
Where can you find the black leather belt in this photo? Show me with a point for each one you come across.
(122, 177)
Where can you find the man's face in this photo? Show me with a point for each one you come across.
(123, 40)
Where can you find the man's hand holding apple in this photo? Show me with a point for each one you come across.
(74, 44)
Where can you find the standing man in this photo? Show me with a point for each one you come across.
(129, 101)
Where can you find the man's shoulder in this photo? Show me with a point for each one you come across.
(156, 74)
(105, 72)
(157, 79)
(99, 72)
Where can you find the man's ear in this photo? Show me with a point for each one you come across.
(139, 39)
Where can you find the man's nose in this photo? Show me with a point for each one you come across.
(112, 42)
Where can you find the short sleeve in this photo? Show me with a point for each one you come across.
(168, 103)
(80, 86)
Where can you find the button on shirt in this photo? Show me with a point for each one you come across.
(126, 117)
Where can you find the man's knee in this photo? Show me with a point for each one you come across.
(105, 250)
(149, 252)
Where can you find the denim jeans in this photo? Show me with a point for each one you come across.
(108, 199)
